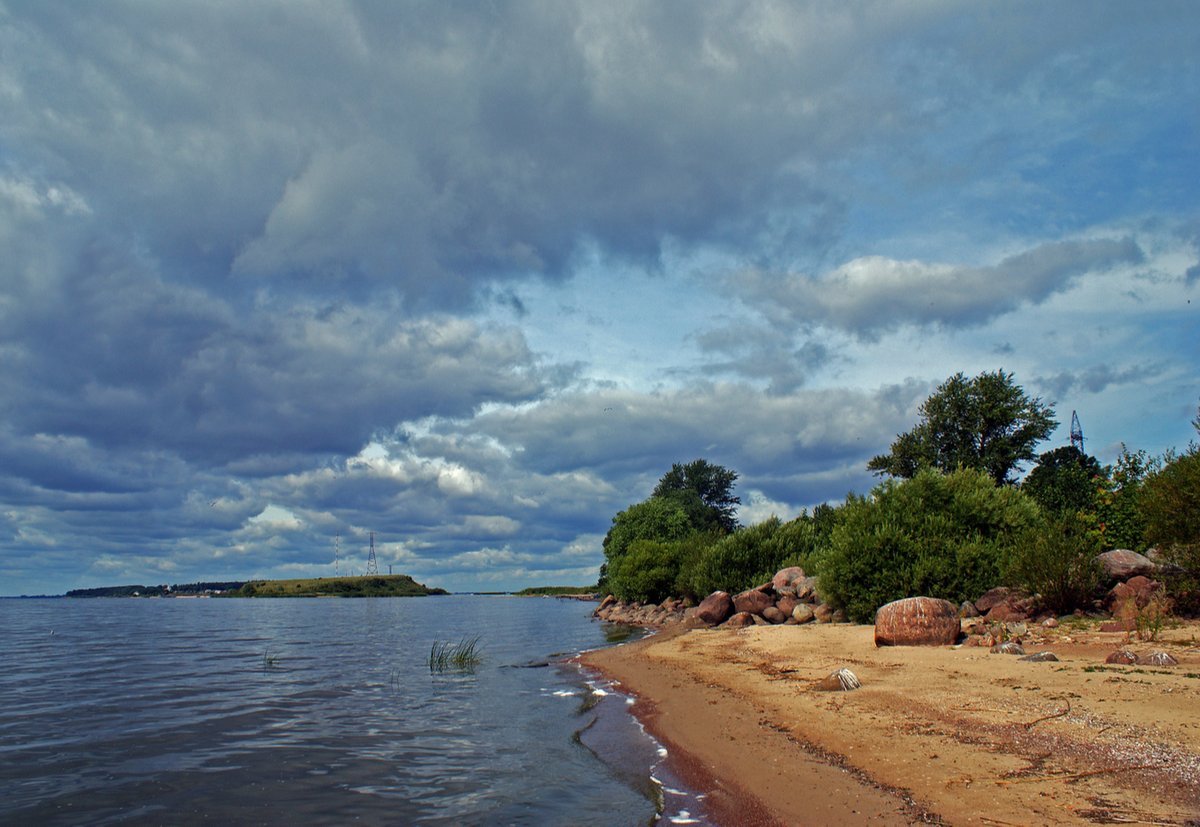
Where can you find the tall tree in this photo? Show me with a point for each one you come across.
(987, 423)
(1064, 479)
(712, 487)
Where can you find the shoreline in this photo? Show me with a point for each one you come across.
(949, 733)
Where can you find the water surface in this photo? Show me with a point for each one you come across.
(315, 711)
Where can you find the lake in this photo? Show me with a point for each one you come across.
(318, 711)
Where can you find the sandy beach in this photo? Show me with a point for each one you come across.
(952, 735)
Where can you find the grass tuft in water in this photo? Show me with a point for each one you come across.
(463, 656)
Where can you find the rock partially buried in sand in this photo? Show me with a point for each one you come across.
(917, 621)
(1123, 657)
(843, 680)
(1158, 659)
(1040, 657)
(1007, 648)
(740, 620)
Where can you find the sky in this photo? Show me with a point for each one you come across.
(473, 275)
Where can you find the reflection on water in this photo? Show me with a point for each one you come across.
(310, 711)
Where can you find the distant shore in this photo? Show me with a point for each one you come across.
(954, 733)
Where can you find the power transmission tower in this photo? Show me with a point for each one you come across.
(372, 563)
(1076, 433)
(337, 553)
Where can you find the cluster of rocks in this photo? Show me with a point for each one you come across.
(790, 598)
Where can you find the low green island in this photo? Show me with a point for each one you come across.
(384, 585)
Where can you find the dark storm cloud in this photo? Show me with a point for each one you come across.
(1096, 379)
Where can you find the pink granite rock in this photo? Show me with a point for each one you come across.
(917, 621)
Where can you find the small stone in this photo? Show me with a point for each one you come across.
(1007, 648)
(1122, 656)
(843, 680)
(1040, 657)
(1158, 659)
(1050, 623)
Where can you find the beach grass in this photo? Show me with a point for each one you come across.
(463, 656)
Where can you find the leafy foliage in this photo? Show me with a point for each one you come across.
(1057, 559)
(935, 535)
(986, 423)
(1064, 480)
(1170, 507)
(712, 487)
(1119, 519)
(646, 572)
(661, 519)
(749, 557)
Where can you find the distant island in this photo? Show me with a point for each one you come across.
(386, 585)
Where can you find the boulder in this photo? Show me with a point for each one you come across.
(803, 613)
(917, 621)
(1158, 659)
(968, 609)
(1125, 625)
(1122, 656)
(1007, 648)
(1122, 564)
(1040, 657)
(759, 620)
(787, 605)
(992, 597)
(1007, 613)
(752, 601)
(1139, 589)
(972, 625)
(784, 579)
(740, 620)
(605, 604)
(823, 613)
(774, 614)
(1050, 623)
(806, 589)
(715, 609)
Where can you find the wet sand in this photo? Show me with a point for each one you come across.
(935, 733)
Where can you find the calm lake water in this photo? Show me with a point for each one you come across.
(317, 711)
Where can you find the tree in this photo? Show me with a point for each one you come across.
(987, 423)
(711, 484)
(1064, 480)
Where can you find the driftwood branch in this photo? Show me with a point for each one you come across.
(1075, 776)
(1048, 717)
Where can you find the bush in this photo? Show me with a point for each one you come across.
(935, 535)
(1057, 559)
(748, 557)
(646, 572)
(1170, 506)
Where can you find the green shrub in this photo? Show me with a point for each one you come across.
(646, 572)
(934, 535)
(1170, 506)
(748, 557)
(1057, 559)
(1119, 519)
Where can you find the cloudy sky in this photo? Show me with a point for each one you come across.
(472, 275)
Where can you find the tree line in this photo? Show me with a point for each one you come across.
(950, 518)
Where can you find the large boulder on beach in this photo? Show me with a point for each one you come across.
(917, 621)
(1140, 590)
(753, 601)
(715, 609)
(774, 615)
(784, 579)
(1122, 564)
(740, 620)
